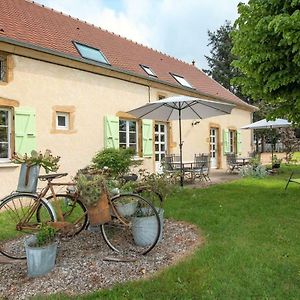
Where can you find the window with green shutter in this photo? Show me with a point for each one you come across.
(239, 142)
(147, 138)
(111, 132)
(25, 132)
(226, 146)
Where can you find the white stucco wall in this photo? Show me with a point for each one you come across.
(44, 85)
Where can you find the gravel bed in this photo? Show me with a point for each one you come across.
(80, 267)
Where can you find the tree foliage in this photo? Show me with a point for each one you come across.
(221, 58)
(266, 43)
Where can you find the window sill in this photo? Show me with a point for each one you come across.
(8, 165)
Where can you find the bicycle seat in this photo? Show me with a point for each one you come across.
(52, 176)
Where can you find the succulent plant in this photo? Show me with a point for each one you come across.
(90, 188)
(46, 160)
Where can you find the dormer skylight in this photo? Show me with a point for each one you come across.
(181, 80)
(92, 53)
(148, 70)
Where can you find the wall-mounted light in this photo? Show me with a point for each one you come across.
(195, 123)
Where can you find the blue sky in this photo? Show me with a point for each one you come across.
(175, 27)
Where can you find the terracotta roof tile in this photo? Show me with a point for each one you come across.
(32, 23)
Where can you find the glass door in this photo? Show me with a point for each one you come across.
(213, 147)
(160, 144)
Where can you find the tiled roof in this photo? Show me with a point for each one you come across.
(34, 24)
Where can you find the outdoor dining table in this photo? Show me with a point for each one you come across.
(243, 160)
(187, 167)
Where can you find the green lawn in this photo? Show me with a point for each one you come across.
(252, 249)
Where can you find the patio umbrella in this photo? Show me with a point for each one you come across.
(264, 124)
(181, 108)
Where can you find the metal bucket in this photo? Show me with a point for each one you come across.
(28, 178)
(144, 229)
(161, 218)
(40, 260)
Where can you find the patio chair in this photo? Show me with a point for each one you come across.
(232, 163)
(201, 167)
(295, 180)
(169, 166)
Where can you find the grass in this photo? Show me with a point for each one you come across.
(252, 249)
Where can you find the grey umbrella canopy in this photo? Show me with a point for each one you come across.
(264, 124)
(181, 108)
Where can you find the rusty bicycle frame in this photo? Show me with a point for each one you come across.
(59, 222)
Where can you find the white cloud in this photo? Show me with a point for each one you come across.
(178, 28)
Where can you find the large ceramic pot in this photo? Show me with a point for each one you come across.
(40, 260)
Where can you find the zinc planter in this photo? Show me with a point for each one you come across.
(144, 229)
(127, 209)
(161, 218)
(28, 178)
(40, 260)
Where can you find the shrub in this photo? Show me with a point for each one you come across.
(118, 161)
(249, 171)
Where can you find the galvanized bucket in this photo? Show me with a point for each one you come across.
(40, 260)
(28, 178)
(144, 229)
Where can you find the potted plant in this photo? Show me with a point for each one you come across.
(276, 162)
(118, 161)
(41, 251)
(30, 168)
(93, 194)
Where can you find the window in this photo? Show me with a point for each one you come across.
(128, 134)
(2, 68)
(62, 120)
(232, 141)
(92, 53)
(5, 132)
(148, 70)
(181, 80)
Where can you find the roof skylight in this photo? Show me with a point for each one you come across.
(148, 70)
(181, 80)
(89, 52)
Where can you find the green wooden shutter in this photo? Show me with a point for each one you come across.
(147, 138)
(111, 132)
(238, 142)
(226, 146)
(25, 134)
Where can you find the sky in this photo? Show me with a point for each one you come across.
(175, 27)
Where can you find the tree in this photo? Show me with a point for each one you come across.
(266, 43)
(221, 58)
(290, 142)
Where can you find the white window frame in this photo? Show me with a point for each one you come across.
(148, 70)
(2, 70)
(128, 132)
(182, 80)
(232, 141)
(66, 115)
(7, 159)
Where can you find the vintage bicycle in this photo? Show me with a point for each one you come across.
(21, 214)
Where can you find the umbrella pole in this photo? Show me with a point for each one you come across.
(180, 149)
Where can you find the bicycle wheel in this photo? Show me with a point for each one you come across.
(73, 210)
(13, 210)
(137, 228)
